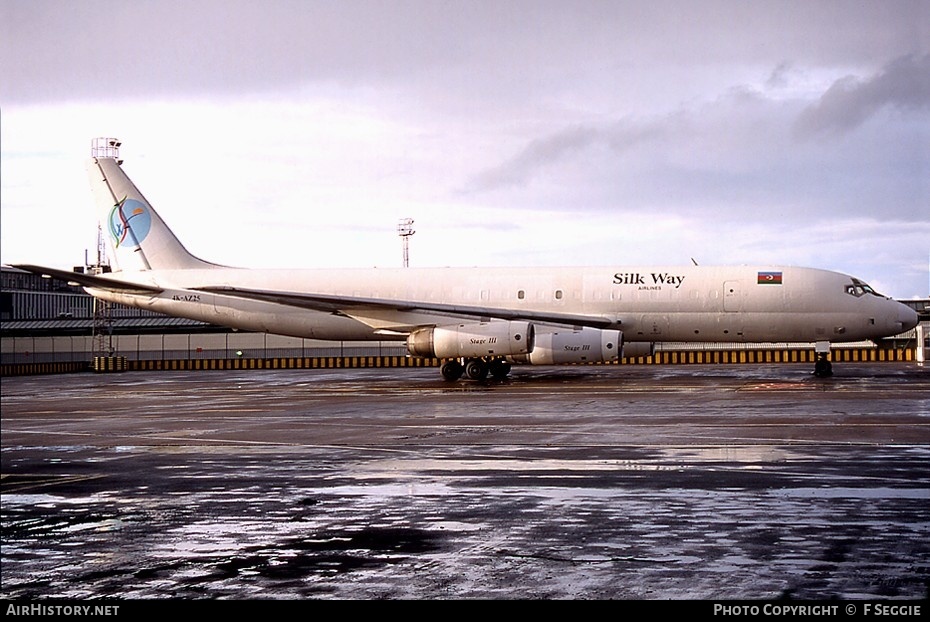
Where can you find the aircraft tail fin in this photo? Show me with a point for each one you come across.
(139, 238)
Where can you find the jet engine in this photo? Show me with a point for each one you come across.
(638, 348)
(483, 339)
(587, 345)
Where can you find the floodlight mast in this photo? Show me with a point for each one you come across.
(405, 230)
(105, 147)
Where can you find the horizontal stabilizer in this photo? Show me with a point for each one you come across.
(89, 280)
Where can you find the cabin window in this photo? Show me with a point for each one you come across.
(521, 294)
(558, 294)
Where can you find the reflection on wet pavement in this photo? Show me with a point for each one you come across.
(595, 483)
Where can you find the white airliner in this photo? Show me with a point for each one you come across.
(480, 321)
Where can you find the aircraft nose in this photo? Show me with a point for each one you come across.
(907, 317)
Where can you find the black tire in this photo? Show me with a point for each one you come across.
(475, 369)
(451, 371)
(499, 369)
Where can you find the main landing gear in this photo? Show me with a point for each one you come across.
(475, 369)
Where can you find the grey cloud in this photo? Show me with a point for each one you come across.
(534, 156)
(903, 83)
(779, 76)
(54, 50)
(79, 50)
(723, 158)
(551, 149)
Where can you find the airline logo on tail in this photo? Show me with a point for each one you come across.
(129, 223)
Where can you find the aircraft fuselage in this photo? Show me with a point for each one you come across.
(694, 303)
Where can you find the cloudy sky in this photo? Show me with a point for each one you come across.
(297, 133)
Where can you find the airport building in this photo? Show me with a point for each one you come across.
(45, 320)
(48, 326)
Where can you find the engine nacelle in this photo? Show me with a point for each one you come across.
(588, 345)
(638, 348)
(497, 338)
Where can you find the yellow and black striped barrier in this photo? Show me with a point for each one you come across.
(323, 362)
(677, 357)
(40, 369)
(109, 364)
(730, 357)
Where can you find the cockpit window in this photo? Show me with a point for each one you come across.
(858, 288)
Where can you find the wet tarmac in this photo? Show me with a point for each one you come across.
(689, 482)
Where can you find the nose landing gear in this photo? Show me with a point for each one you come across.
(823, 368)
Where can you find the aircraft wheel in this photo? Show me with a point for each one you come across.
(823, 368)
(499, 369)
(476, 369)
(451, 370)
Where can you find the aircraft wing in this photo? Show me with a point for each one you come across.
(90, 280)
(368, 309)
